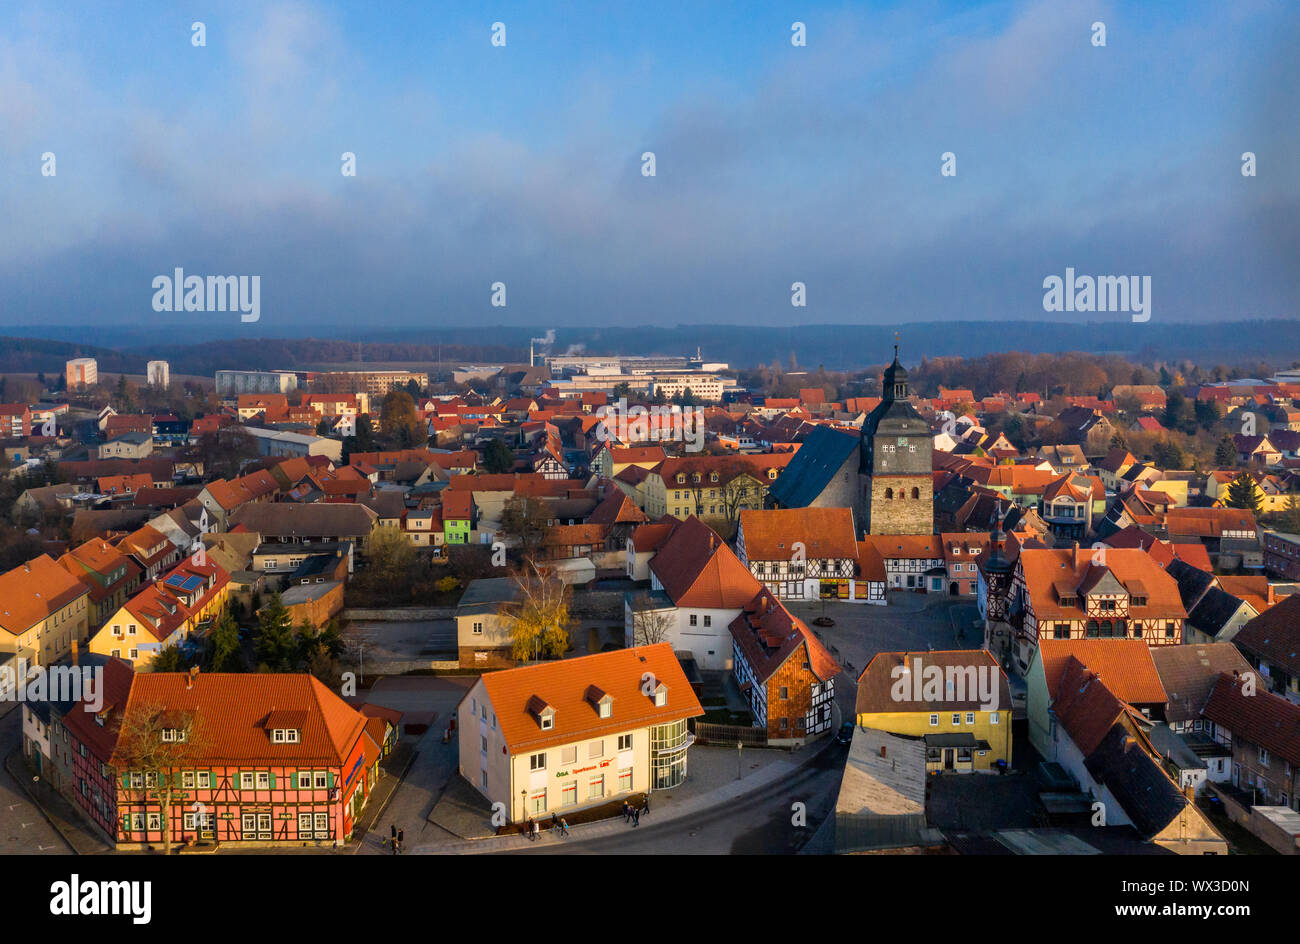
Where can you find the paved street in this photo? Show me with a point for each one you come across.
(24, 830)
(757, 822)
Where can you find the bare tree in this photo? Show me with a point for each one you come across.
(650, 627)
(154, 745)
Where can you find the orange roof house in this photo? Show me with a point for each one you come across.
(572, 733)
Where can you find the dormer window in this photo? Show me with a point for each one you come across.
(659, 695)
(171, 735)
(284, 735)
(601, 700)
(542, 712)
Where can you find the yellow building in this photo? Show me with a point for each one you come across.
(957, 701)
(44, 610)
(165, 613)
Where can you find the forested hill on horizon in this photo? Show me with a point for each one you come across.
(212, 346)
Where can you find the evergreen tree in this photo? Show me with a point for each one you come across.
(1225, 453)
(1242, 493)
(225, 650)
(275, 644)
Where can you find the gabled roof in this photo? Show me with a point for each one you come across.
(697, 569)
(1148, 796)
(1050, 572)
(242, 707)
(1125, 665)
(34, 591)
(563, 686)
(768, 635)
(1262, 718)
(893, 673)
(825, 533)
(617, 508)
(1086, 708)
(650, 537)
(1188, 673)
(1275, 635)
(811, 469)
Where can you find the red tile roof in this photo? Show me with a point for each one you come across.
(826, 533)
(1125, 665)
(697, 569)
(1263, 719)
(769, 635)
(563, 686)
(34, 591)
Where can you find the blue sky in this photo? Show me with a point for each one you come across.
(775, 164)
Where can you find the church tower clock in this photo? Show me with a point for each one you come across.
(896, 469)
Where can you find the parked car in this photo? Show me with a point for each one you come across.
(845, 734)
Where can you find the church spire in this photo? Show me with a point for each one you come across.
(894, 382)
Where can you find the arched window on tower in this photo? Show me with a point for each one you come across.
(916, 493)
(889, 493)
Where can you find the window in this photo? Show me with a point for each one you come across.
(970, 717)
(537, 802)
(537, 761)
(785, 693)
(478, 628)
(568, 755)
(595, 749)
(661, 698)
(546, 721)
(993, 717)
(693, 619)
(1263, 757)
(708, 620)
(606, 708)
(246, 780)
(934, 721)
(625, 742)
(187, 780)
(596, 787)
(284, 736)
(956, 720)
(569, 794)
(625, 780)
(155, 822)
(263, 780)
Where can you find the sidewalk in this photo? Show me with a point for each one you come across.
(58, 811)
(661, 811)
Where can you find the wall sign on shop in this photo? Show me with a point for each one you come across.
(582, 770)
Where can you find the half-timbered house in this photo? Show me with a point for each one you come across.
(800, 553)
(271, 759)
(784, 671)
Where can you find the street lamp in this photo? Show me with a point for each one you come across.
(739, 770)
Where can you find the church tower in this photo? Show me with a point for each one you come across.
(895, 477)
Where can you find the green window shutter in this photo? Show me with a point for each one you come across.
(293, 781)
(273, 780)
(330, 781)
(126, 781)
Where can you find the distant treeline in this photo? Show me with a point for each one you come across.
(1244, 345)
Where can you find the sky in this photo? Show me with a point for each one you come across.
(522, 164)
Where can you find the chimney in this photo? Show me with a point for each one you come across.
(882, 750)
(1189, 791)
(190, 676)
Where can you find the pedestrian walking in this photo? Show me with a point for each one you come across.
(645, 808)
(564, 827)
(537, 830)
(636, 817)
(392, 839)
(555, 821)
(627, 811)
(528, 828)
(401, 840)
